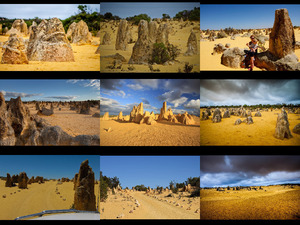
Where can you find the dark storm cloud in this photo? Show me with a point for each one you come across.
(184, 85)
(268, 91)
(110, 84)
(256, 164)
(249, 170)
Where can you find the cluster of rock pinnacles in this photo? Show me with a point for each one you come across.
(148, 34)
(84, 181)
(137, 115)
(282, 129)
(47, 42)
(19, 127)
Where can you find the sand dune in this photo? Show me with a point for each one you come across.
(158, 207)
(179, 39)
(72, 122)
(85, 60)
(161, 134)
(259, 133)
(271, 203)
(38, 197)
(213, 62)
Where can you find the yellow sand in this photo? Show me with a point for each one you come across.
(36, 198)
(150, 207)
(259, 133)
(179, 39)
(213, 62)
(72, 122)
(276, 203)
(160, 134)
(85, 60)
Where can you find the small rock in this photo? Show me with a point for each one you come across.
(120, 216)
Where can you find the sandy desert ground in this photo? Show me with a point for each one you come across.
(36, 198)
(213, 62)
(276, 203)
(179, 39)
(125, 133)
(85, 60)
(259, 133)
(72, 122)
(156, 206)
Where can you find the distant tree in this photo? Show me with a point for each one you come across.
(166, 16)
(108, 16)
(82, 8)
(136, 19)
(103, 188)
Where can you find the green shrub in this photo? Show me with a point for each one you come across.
(195, 193)
(160, 54)
(222, 34)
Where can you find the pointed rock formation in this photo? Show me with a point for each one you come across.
(8, 182)
(217, 116)
(22, 180)
(15, 51)
(163, 34)
(137, 113)
(192, 45)
(48, 42)
(7, 133)
(79, 33)
(106, 116)
(164, 113)
(106, 40)
(122, 39)
(84, 197)
(186, 119)
(282, 37)
(142, 49)
(282, 129)
(120, 116)
(152, 31)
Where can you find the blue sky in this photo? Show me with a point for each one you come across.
(47, 166)
(151, 171)
(152, 9)
(43, 11)
(50, 90)
(122, 94)
(219, 16)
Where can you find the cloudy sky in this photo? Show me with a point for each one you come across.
(51, 90)
(250, 92)
(122, 94)
(43, 11)
(252, 170)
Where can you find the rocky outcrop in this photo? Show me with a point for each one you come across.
(122, 38)
(79, 34)
(106, 40)
(257, 114)
(120, 116)
(232, 57)
(85, 108)
(142, 49)
(218, 49)
(296, 129)
(48, 42)
(248, 120)
(152, 31)
(204, 115)
(8, 182)
(163, 34)
(238, 122)
(282, 37)
(192, 45)
(14, 51)
(106, 116)
(282, 129)
(137, 113)
(217, 117)
(226, 114)
(186, 119)
(18, 27)
(165, 113)
(7, 134)
(23, 180)
(84, 197)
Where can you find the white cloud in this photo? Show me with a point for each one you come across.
(135, 87)
(194, 104)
